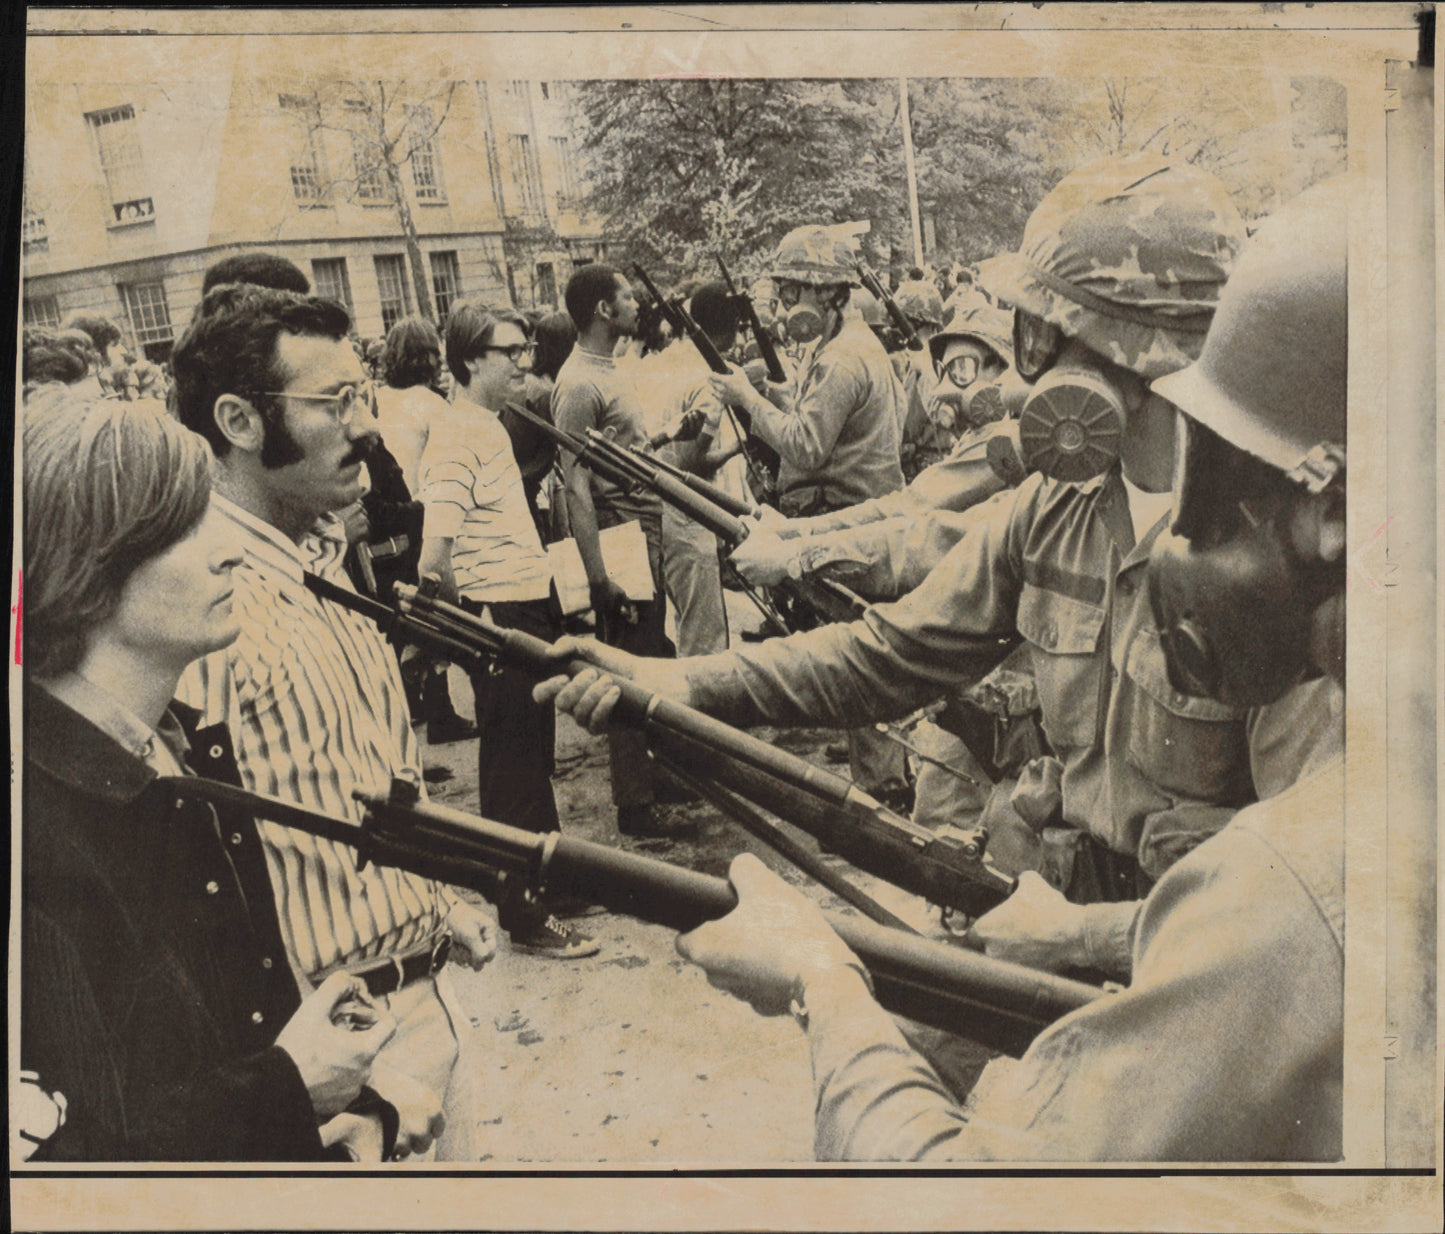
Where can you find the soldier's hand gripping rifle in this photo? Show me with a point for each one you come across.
(762, 459)
(826, 599)
(951, 871)
(766, 348)
(885, 297)
(1000, 1004)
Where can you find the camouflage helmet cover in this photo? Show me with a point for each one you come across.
(979, 320)
(815, 255)
(919, 299)
(1128, 256)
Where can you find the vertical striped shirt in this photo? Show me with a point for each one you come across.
(313, 697)
(471, 487)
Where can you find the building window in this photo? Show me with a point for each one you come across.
(426, 163)
(525, 174)
(308, 178)
(42, 311)
(546, 94)
(150, 318)
(117, 145)
(566, 173)
(331, 281)
(34, 233)
(391, 282)
(446, 283)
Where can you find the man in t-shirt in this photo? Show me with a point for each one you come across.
(481, 540)
(592, 394)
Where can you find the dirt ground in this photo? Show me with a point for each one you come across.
(630, 1056)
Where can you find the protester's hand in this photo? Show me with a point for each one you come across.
(763, 558)
(612, 607)
(356, 521)
(333, 1037)
(1035, 926)
(733, 388)
(760, 949)
(362, 1135)
(474, 935)
(419, 1110)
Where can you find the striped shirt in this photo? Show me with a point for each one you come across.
(472, 490)
(313, 697)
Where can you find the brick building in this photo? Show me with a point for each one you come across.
(132, 190)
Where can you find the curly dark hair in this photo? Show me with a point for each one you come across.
(230, 348)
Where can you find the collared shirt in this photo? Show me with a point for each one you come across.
(313, 697)
(1146, 770)
(840, 441)
(163, 749)
(1226, 1052)
(472, 490)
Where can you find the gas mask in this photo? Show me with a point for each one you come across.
(1072, 421)
(1233, 599)
(804, 322)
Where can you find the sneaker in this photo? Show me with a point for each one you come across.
(648, 822)
(556, 940)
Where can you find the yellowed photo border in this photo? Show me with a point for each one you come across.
(1392, 1057)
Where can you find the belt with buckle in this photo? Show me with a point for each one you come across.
(396, 972)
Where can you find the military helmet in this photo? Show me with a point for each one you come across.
(919, 299)
(981, 321)
(815, 255)
(1128, 256)
(1271, 380)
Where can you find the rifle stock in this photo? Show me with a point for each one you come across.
(999, 1004)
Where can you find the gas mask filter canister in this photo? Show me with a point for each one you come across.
(1071, 425)
(805, 322)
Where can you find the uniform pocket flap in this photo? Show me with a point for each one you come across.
(1145, 666)
(1059, 623)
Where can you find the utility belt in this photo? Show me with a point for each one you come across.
(387, 976)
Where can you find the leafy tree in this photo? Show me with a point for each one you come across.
(680, 169)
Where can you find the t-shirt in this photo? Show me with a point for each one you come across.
(472, 489)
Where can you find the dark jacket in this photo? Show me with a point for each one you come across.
(154, 979)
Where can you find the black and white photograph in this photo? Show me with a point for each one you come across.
(725, 617)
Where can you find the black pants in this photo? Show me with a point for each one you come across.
(516, 750)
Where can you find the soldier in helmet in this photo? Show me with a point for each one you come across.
(838, 437)
(1228, 1043)
(1141, 772)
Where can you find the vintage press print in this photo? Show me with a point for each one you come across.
(726, 617)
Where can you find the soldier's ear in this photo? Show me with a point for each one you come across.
(240, 423)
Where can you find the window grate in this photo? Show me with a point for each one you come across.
(391, 283)
(332, 281)
(446, 281)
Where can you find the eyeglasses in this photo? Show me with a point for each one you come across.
(516, 353)
(344, 402)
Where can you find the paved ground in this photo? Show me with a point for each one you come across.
(630, 1056)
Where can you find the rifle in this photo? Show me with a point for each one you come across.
(682, 323)
(900, 320)
(766, 349)
(999, 1004)
(629, 469)
(762, 459)
(947, 870)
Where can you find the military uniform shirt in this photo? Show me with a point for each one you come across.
(1146, 770)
